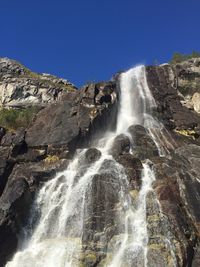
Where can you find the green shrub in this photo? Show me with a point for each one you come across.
(14, 118)
(178, 57)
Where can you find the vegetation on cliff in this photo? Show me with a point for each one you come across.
(178, 57)
(14, 118)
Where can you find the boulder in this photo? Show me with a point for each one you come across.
(121, 145)
(92, 155)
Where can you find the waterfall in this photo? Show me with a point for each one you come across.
(60, 206)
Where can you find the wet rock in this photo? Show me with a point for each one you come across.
(120, 145)
(178, 212)
(17, 198)
(189, 182)
(100, 222)
(133, 169)
(159, 256)
(14, 206)
(143, 145)
(92, 155)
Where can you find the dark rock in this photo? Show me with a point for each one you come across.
(120, 145)
(100, 222)
(14, 206)
(16, 142)
(163, 85)
(5, 167)
(53, 125)
(133, 168)
(17, 198)
(173, 189)
(92, 155)
(70, 124)
(2, 132)
(31, 155)
(143, 145)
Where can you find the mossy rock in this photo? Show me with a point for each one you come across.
(51, 159)
(187, 133)
(90, 259)
(153, 218)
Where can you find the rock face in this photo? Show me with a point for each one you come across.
(70, 119)
(19, 87)
(177, 185)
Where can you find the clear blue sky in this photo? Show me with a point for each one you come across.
(90, 40)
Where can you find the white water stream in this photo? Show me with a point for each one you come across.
(55, 240)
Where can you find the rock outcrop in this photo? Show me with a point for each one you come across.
(69, 119)
(20, 87)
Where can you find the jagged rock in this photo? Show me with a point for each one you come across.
(188, 76)
(16, 142)
(173, 187)
(19, 87)
(10, 67)
(170, 110)
(69, 123)
(189, 181)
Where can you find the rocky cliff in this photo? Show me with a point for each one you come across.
(68, 119)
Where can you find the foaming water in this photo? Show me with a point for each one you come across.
(136, 100)
(133, 248)
(56, 239)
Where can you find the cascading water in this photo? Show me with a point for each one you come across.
(56, 239)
